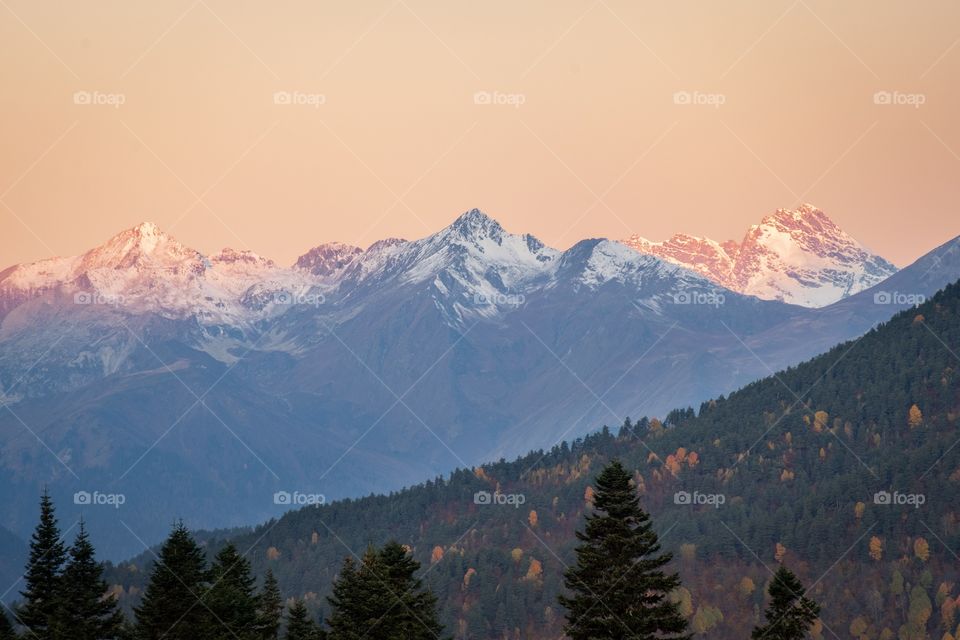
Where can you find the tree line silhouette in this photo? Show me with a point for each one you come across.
(618, 588)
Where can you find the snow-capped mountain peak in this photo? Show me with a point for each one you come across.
(476, 225)
(474, 258)
(328, 259)
(145, 270)
(795, 255)
(802, 256)
(140, 245)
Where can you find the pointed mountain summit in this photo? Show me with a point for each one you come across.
(144, 245)
(144, 270)
(476, 225)
(797, 255)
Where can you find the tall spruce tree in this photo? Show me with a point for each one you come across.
(7, 631)
(269, 609)
(790, 613)
(382, 599)
(230, 599)
(412, 610)
(358, 600)
(299, 624)
(171, 608)
(85, 611)
(42, 576)
(618, 584)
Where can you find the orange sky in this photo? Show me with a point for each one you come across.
(384, 137)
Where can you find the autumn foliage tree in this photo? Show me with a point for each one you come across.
(914, 417)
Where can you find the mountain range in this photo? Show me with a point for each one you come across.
(198, 386)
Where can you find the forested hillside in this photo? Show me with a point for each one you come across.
(846, 468)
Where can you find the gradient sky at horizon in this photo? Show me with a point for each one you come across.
(399, 146)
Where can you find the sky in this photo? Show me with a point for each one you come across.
(278, 126)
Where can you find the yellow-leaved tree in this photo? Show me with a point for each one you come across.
(914, 417)
(858, 510)
(921, 549)
(820, 420)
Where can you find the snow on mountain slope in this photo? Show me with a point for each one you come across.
(611, 261)
(143, 270)
(474, 268)
(328, 260)
(798, 256)
(471, 266)
(705, 256)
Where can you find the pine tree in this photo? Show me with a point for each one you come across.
(85, 611)
(42, 576)
(411, 610)
(269, 609)
(299, 624)
(171, 608)
(790, 614)
(352, 600)
(382, 599)
(6, 628)
(618, 583)
(230, 598)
